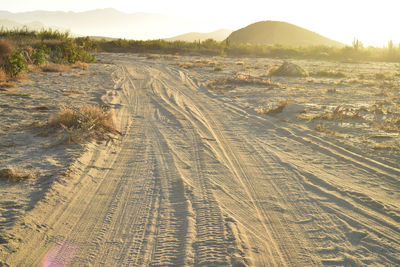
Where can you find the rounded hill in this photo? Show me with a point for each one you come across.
(277, 32)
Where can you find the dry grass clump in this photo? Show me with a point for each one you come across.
(252, 67)
(51, 67)
(84, 123)
(331, 90)
(273, 109)
(12, 93)
(152, 56)
(218, 68)
(4, 81)
(6, 84)
(382, 93)
(388, 84)
(6, 48)
(32, 68)
(339, 113)
(324, 129)
(80, 65)
(202, 61)
(390, 125)
(383, 76)
(311, 80)
(185, 65)
(13, 176)
(242, 79)
(3, 75)
(329, 74)
(72, 92)
(383, 146)
(287, 69)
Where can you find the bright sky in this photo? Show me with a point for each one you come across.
(374, 22)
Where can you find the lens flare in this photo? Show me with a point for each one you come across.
(60, 255)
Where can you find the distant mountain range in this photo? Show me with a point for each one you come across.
(9, 24)
(112, 23)
(276, 32)
(108, 22)
(32, 26)
(219, 35)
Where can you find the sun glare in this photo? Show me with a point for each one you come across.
(372, 22)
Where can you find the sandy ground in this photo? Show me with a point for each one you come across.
(200, 178)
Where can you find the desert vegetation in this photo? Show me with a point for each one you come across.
(79, 124)
(338, 113)
(59, 47)
(356, 103)
(46, 49)
(354, 53)
(9, 174)
(241, 79)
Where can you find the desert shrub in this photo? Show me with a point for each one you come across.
(218, 68)
(68, 53)
(38, 56)
(15, 63)
(86, 43)
(11, 175)
(84, 123)
(185, 65)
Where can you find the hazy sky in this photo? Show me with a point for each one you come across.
(374, 22)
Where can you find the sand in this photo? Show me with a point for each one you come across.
(199, 178)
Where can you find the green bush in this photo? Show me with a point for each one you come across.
(86, 43)
(38, 56)
(68, 53)
(15, 63)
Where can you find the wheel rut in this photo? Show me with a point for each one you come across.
(197, 180)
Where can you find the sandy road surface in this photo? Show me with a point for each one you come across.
(197, 180)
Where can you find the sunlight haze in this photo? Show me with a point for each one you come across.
(372, 22)
(199, 133)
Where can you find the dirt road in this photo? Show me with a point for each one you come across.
(199, 181)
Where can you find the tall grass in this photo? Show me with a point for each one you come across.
(24, 34)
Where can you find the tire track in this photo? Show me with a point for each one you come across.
(199, 181)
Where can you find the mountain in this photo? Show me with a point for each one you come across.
(11, 25)
(219, 35)
(109, 22)
(276, 32)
